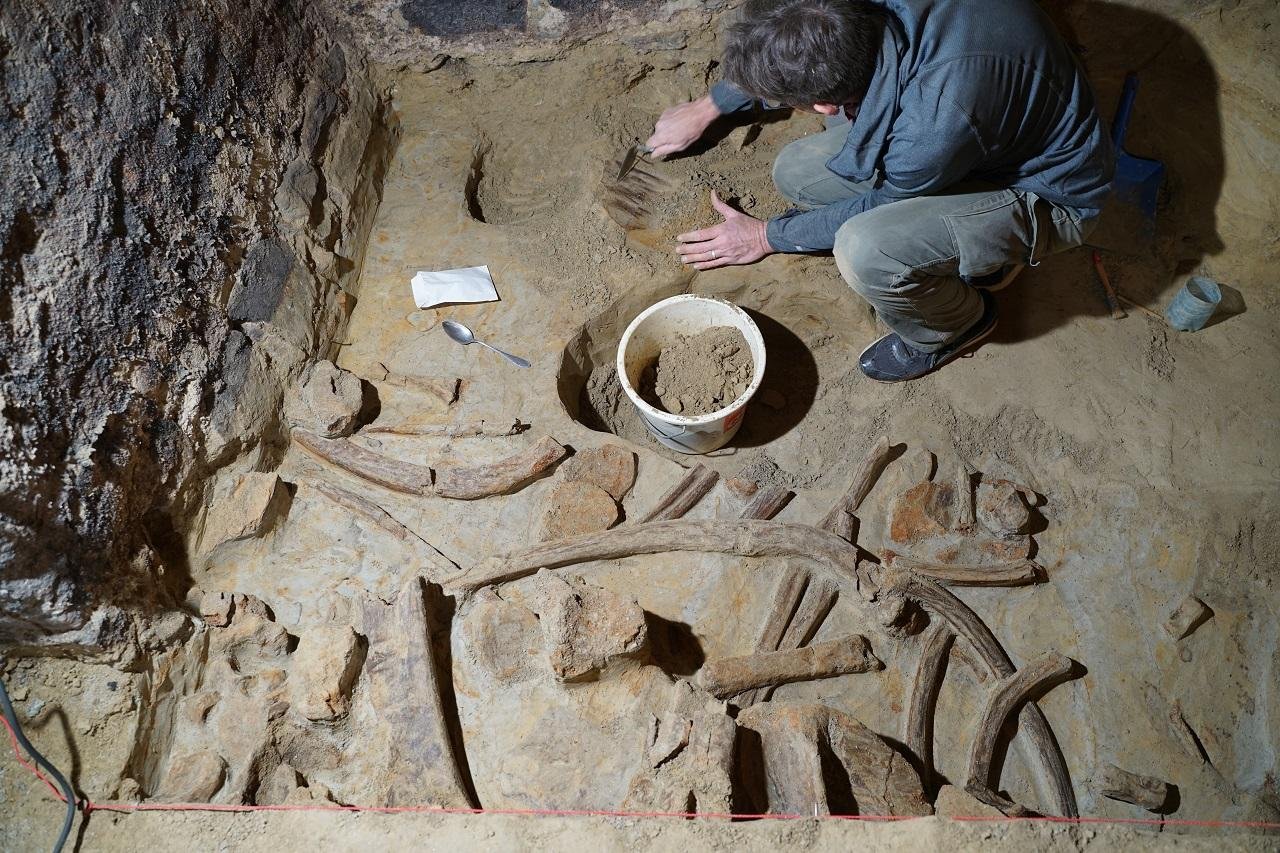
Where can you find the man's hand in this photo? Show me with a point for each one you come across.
(740, 239)
(681, 126)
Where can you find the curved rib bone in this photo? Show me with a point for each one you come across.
(1012, 691)
(967, 624)
(834, 556)
(918, 734)
(508, 474)
(447, 481)
(389, 473)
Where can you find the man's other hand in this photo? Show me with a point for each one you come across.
(740, 239)
(681, 126)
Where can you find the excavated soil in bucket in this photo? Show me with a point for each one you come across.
(698, 374)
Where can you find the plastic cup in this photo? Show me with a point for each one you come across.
(1194, 304)
(644, 339)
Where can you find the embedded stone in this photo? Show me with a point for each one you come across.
(327, 402)
(922, 511)
(197, 707)
(578, 508)
(957, 802)
(1187, 617)
(585, 627)
(279, 786)
(501, 637)
(216, 608)
(818, 757)
(248, 510)
(611, 467)
(1002, 509)
(193, 778)
(325, 667)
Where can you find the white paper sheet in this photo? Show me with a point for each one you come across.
(470, 284)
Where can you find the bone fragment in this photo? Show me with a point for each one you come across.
(368, 510)
(965, 513)
(460, 482)
(1146, 791)
(768, 502)
(1004, 697)
(696, 482)
(785, 598)
(730, 676)
(446, 390)
(831, 554)
(405, 692)
(507, 475)
(462, 430)
(1187, 617)
(845, 526)
(366, 464)
(819, 598)
(1018, 573)
(966, 624)
(1185, 734)
(863, 479)
(932, 669)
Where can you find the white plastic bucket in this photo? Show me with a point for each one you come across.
(643, 340)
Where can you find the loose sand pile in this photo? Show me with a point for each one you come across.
(699, 374)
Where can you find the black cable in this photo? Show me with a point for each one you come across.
(68, 794)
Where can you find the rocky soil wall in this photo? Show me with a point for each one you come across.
(185, 193)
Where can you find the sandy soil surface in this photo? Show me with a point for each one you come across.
(1153, 453)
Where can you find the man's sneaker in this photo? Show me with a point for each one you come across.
(998, 280)
(891, 359)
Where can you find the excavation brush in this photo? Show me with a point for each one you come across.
(630, 192)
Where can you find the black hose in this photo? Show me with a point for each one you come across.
(67, 793)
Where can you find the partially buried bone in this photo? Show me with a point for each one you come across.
(930, 672)
(368, 510)
(767, 502)
(730, 676)
(684, 495)
(863, 479)
(1005, 697)
(447, 481)
(1018, 573)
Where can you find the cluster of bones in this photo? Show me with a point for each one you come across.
(904, 595)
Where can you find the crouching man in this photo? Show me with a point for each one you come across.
(963, 142)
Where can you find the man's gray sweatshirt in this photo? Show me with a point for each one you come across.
(963, 90)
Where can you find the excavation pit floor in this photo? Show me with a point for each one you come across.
(1152, 454)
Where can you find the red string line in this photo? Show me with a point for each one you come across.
(17, 753)
(90, 806)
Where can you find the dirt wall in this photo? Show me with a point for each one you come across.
(186, 190)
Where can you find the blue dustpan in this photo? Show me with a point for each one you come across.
(1138, 179)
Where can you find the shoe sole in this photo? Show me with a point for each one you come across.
(1004, 282)
(979, 339)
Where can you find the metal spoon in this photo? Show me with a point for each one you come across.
(465, 336)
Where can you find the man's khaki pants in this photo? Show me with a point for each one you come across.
(907, 257)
